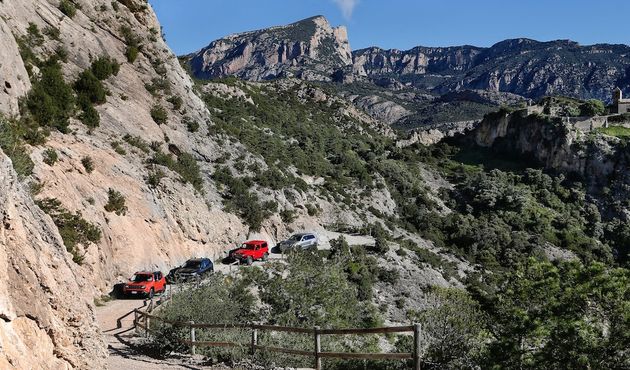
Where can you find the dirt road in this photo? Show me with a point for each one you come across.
(116, 321)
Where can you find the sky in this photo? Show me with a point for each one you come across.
(190, 25)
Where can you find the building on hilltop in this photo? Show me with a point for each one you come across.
(620, 105)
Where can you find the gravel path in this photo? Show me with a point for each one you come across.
(116, 321)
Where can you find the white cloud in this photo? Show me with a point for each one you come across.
(346, 7)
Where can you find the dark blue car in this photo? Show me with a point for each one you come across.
(193, 269)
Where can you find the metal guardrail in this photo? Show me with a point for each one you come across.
(316, 353)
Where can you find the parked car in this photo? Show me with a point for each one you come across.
(250, 251)
(145, 283)
(195, 268)
(299, 241)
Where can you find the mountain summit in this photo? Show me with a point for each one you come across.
(309, 49)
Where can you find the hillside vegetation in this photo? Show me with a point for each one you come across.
(542, 255)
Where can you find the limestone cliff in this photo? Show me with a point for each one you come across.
(600, 160)
(46, 318)
(163, 226)
(310, 49)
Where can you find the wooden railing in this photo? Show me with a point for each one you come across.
(143, 320)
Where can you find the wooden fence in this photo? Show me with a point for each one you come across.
(143, 320)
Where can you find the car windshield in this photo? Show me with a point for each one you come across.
(248, 246)
(192, 265)
(139, 278)
(296, 238)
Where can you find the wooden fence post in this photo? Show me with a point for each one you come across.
(135, 320)
(318, 349)
(192, 338)
(416, 347)
(254, 341)
(147, 322)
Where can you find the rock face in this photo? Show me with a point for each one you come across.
(310, 49)
(557, 145)
(163, 226)
(46, 320)
(520, 66)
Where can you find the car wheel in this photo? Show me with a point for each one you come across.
(151, 293)
(250, 260)
(265, 256)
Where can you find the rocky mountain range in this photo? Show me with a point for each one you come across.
(312, 49)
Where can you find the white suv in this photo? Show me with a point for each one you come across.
(301, 241)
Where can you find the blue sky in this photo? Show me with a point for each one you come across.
(402, 24)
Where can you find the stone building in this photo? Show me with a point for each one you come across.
(620, 105)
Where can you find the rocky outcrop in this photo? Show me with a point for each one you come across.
(46, 318)
(379, 108)
(310, 49)
(433, 134)
(557, 145)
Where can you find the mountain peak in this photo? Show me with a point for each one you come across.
(277, 51)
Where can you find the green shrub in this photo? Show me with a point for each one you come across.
(176, 101)
(137, 142)
(132, 53)
(67, 8)
(312, 210)
(158, 85)
(592, 107)
(88, 164)
(89, 115)
(118, 148)
(104, 67)
(238, 199)
(50, 156)
(50, 100)
(73, 228)
(617, 131)
(288, 216)
(52, 32)
(389, 276)
(186, 166)
(61, 53)
(35, 37)
(133, 44)
(192, 126)
(155, 177)
(188, 169)
(115, 202)
(12, 144)
(159, 114)
(89, 86)
(381, 246)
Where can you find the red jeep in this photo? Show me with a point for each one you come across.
(251, 251)
(145, 283)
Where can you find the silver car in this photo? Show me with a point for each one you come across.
(299, 241)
